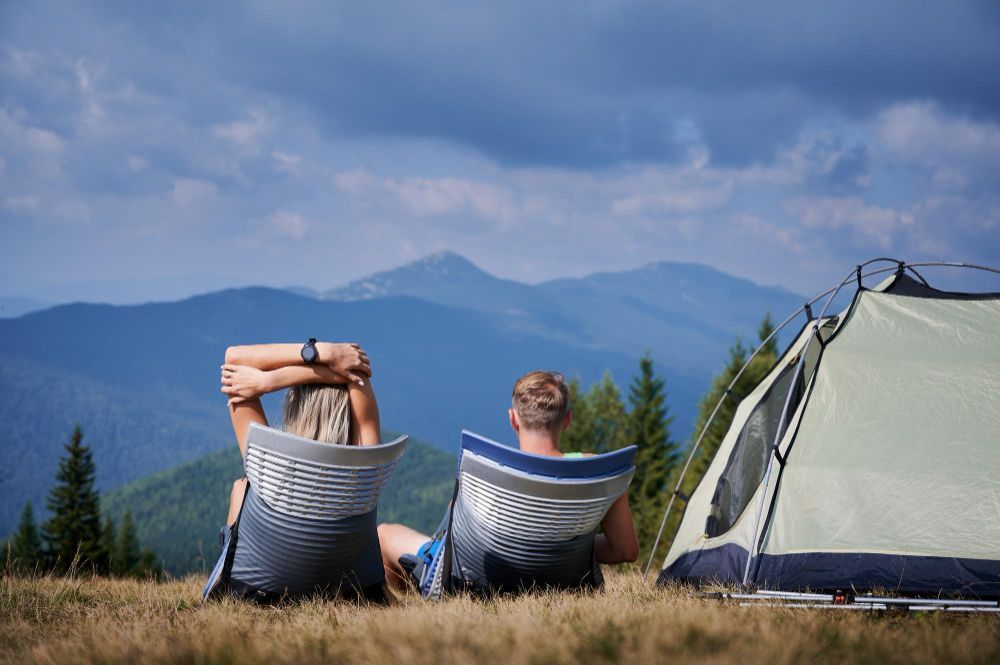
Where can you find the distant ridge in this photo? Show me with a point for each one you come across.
(684, 313)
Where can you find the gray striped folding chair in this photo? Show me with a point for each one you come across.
(308, 524)
(520, 521)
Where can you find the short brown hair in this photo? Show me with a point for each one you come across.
(541, 400)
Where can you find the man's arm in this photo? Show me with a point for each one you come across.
(618, 542)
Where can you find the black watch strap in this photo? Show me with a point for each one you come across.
(309, 353)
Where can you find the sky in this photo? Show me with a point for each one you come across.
(198, 145)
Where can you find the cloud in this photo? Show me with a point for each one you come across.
(285, 162)
(752, 139)
(137, 164)
(246, 134)
(190, 193)
(955, 152)
(27, 203)
(15, 131)
(432, 196)
(683, 199)
(870, 222)
(289, 224)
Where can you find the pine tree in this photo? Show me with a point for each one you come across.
(73, 533)
(765, 330)
(126, 555)
(108, 544)
(580, 435)
(148, 566)
(607, 412)
(649, 429)
(599, 418)
(24, 551)
(757, 370)
(720, 424)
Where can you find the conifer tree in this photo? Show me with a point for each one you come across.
(607, 413)
(126, 555)
(148, 566)
(24, 551)
(580, 435)
(108, 544)
(720, 424)
(73, 533)
(649, 429)
(765, 329)
(754, 373)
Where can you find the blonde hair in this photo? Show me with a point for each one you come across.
(541, 400)
(318, 411)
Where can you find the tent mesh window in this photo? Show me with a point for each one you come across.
(746, 466)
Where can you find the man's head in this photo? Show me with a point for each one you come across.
(540, 403)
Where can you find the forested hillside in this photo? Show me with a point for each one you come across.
(178, 512)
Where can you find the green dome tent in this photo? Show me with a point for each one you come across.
(868, 457)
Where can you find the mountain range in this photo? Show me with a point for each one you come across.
(446, 338)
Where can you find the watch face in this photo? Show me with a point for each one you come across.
(309, 353)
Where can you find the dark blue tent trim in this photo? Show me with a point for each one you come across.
(718, 564)
(608, 464)
(824, 571)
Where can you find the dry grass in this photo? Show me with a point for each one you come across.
(113, 621)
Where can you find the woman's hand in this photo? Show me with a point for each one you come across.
(348, 360)
(242, 382)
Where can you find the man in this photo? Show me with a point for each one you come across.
(539, 414)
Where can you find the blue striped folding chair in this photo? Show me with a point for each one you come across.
(520, 521)
(308, 523)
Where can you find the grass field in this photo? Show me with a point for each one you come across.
(55, 620)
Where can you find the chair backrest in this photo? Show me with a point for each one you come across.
(309, 521)
(305, 478)
(522, 520)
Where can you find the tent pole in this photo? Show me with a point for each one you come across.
(851, 599)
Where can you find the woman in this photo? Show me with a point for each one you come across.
(329, 399)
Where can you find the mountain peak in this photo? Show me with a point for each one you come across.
(418, 278)
(442, 262)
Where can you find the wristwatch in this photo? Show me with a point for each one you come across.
(309, 353)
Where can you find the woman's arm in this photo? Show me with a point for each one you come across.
(366, 429)
(618, 542)
(245, 385)
(347, 359)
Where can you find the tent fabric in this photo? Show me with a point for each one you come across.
(890, 464)
(903, 285)
(899, 447)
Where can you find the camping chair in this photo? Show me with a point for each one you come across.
(308, 523)
(521, 521)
